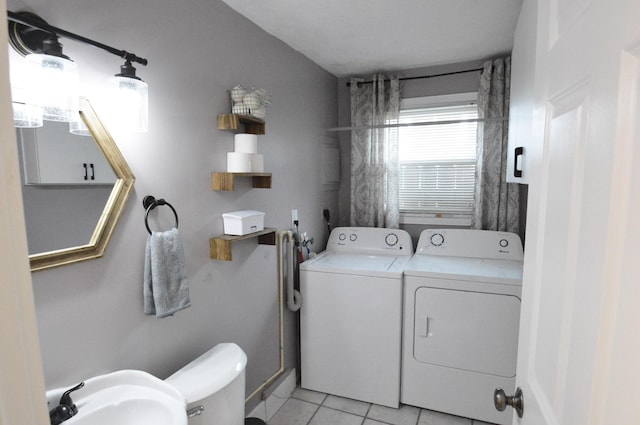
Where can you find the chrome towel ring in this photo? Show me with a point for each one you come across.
(149, 203)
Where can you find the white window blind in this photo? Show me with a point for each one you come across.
(437, 162)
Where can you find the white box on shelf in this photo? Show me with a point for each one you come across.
(243, 222)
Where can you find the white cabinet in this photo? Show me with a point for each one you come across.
(52, 155)
(523, 60)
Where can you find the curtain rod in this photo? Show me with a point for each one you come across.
(43, 26)
(412, 124)
(423, 76)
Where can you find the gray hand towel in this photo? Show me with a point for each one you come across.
(166, 289)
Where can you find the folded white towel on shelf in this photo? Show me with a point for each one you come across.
(165, 289)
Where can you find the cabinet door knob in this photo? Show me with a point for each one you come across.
(93, 172)
(86, 171)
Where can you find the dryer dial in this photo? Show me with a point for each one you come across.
(342, 236)
(353, 237)
(391, 239)
(437, 239)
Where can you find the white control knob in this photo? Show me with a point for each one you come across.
(342, 236)
(504, 243)
(353, 237)
(391, 239)
(437, 239)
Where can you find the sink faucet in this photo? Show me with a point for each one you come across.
(65, 409)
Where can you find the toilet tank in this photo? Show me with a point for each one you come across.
(216, 381)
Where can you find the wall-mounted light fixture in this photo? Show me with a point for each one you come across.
(55, 81)
(27, 111)
(131, 94)
(44, 85)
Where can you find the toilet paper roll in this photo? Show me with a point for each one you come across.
(246, 143)
(257, 163)
(239, 162)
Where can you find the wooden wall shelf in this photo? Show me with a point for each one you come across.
(226, 181)
(252, 125)
(220, 246)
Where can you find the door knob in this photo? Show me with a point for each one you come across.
(501, 400)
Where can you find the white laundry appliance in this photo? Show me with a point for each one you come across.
(461, 318)
(351, 315)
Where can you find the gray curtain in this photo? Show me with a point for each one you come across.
(497, 203)
(374, 152)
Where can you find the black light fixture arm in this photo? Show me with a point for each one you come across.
(25, 19)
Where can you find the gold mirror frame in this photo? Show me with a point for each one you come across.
(113, 208)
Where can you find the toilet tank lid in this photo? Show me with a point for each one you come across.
(210, 372)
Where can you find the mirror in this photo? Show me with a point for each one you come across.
(93, 201)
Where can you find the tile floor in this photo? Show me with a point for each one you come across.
(306, 407)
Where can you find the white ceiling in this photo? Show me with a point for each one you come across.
(349, 37)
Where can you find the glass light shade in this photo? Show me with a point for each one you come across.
(26, 116)
(57, 84)
(130, 103)
(24, 96)
(78, 127)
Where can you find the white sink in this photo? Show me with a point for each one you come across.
(125, 397)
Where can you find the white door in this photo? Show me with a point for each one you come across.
(579, 350)
(21, 379)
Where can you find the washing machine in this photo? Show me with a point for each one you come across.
(461, 316)
(351, 315)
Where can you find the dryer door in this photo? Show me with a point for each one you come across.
(471, 331)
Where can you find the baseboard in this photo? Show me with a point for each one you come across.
(277, 396)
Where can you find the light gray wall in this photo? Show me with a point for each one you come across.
(90, 314)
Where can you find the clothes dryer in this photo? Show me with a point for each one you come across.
(351, 315)
(461, 319)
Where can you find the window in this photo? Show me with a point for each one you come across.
(437, 162)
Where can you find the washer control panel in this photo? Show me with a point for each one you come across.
(470, 243)
(370, 240)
